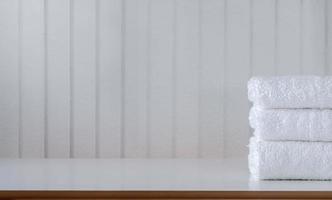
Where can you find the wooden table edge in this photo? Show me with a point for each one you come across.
(64, 194)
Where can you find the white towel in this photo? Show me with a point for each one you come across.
(292, 124)
(291, 92)
(290, 160)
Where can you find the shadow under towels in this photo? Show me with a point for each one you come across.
(292, 122)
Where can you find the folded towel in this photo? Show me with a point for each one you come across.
(292, 124)
(290, 160)
(291, 92)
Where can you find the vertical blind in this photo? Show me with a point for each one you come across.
(146, 78)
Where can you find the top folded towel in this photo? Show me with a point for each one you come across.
(291, 91)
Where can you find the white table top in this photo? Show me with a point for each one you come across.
(140, 174)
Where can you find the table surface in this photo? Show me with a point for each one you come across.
(140, 175)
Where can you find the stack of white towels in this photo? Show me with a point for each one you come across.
(292, 121)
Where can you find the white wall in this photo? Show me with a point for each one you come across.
(146, 78)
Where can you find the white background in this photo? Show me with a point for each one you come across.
(146, 78)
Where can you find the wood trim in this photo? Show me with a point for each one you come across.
(14, 194)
